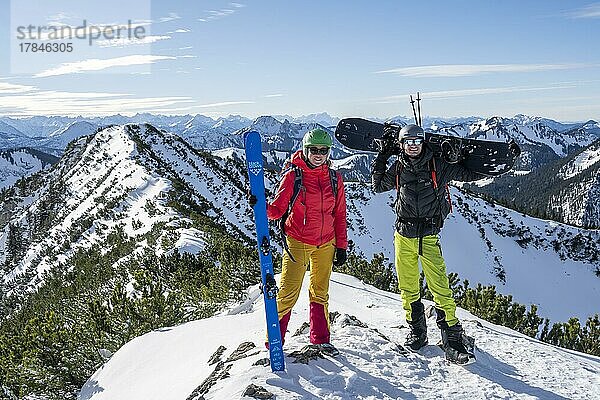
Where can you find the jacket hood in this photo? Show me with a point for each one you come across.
(298, 159)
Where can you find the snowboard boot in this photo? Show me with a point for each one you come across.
(459, 347)
(417, 337)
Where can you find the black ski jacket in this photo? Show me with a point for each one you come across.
(421, 208)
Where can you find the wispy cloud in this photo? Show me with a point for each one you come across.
(589, 11)
(446, 94)
(473, 69)
(171, 17)
(274, 95)
(61, 16)
(131, 42)
(49, 102)
(10, 88)
(224, 12)
(224, 103)
(98, 64)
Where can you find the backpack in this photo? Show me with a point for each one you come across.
(333, 178)
(435, 187)
(433, 180)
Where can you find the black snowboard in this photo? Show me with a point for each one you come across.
(483, 156)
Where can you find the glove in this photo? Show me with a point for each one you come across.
(340, 257)
(388, 144)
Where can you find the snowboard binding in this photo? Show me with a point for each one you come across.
(451, 153)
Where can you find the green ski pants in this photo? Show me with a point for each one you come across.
(434, 268)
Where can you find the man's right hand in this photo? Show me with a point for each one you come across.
(388, 144)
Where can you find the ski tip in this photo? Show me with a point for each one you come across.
(250, 133)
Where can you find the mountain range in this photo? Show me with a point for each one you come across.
(130, 177)
(138, 189)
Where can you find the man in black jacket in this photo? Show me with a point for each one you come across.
(422, 205)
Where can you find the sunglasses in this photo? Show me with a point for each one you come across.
(413, 142)
(319, 151)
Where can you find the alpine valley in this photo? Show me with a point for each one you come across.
(126, 245)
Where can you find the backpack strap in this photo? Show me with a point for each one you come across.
(333, 178)
(399, 168)
(435, 184)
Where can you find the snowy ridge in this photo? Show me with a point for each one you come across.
(99, 187)
(588, 158)
(119, 178)
(172, 363)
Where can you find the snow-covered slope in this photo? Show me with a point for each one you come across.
(586, 159)
(578, 200)
(494, 245)
(18, 163)
(173, 363)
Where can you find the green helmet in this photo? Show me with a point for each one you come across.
(317, 137)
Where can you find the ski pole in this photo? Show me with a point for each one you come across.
(412, 103)
(420, 123)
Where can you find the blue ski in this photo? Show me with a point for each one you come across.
(254, 163)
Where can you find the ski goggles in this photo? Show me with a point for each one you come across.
(319, 151)
(413, 141)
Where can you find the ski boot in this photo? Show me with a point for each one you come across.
(417, 337)
(459, 347)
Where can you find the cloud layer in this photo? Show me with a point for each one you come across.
(95, 64)
(457, 70)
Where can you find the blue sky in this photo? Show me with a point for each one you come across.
(346, 58)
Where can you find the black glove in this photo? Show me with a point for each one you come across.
(251, 198)
(340, 257)
(388, 144)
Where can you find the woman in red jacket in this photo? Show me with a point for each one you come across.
(316, 233)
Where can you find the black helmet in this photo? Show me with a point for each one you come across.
(411, 131)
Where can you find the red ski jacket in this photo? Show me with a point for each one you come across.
(316, 217)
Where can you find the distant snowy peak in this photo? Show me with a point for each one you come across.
(8, 132)
(323, 119)
(277, 135)
(232, 123)
(199, 121)
(61, 138)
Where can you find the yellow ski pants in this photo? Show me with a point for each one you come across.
(320, 259)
